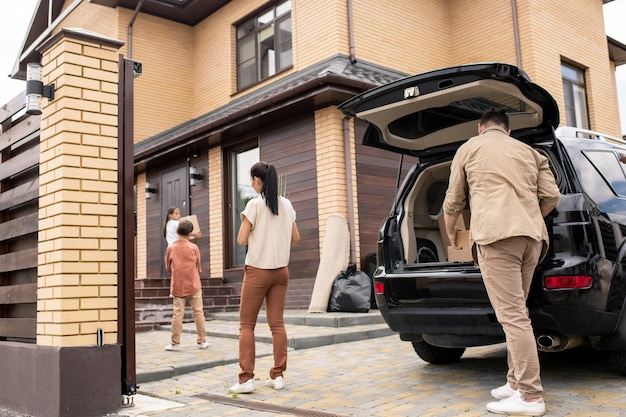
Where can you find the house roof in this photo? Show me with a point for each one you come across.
(49, 14)
(329, 82)
(617, 51)
(189, 12)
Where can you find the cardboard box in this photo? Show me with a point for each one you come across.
(465, 253)
(194, 220)
(462, 222)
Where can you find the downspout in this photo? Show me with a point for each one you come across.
(130, 29)
(351, 33)
(518, 49)
(49, 13)
(350, 196)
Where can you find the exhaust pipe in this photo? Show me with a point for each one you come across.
(555, 343)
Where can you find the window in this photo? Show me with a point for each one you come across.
(576, 113)
(264, 45)
(610, 168)
(241, 191)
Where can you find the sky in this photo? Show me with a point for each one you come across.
(15, 17)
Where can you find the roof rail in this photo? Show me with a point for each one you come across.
(576, 132)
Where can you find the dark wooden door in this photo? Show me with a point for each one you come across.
(174, 193)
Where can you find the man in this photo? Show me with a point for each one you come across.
(511, 189)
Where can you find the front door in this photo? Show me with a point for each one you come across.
(174, 193)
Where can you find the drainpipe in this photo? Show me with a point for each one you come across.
(49, 13)
(350, 196)
(351, 33)
(518, 50)
(130, 29)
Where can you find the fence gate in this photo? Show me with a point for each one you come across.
(19, 205)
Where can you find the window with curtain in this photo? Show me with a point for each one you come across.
(574, 91)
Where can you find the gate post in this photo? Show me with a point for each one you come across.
(77, 275)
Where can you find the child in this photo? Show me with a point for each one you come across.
(182, 259)
(171, 223)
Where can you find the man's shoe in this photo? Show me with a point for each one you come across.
(244, 388)
(172, 347)
(505, 391)
(203, 345)
(515, 404)
(276, 383)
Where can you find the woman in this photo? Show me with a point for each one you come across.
(268, 227)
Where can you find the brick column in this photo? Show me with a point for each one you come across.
(331, 167)
(216, 225)
(77, 275)
(77, 289)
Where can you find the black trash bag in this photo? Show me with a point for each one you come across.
(351, 291)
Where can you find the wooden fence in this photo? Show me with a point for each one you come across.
(19, 204)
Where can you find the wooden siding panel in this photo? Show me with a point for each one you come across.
(19, 221)
(377, 172)
(15, 294)
(23, 328)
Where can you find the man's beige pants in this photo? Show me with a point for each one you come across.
(507, 267)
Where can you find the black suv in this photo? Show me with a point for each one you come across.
(440, 305)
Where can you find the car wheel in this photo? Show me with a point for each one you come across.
(437, 354)
(618, 357)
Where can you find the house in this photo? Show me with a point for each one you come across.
(225, 83)
(221, 84)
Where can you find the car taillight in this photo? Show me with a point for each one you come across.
(379, 288)
(567, 282)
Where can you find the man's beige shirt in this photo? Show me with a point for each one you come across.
(507, 181)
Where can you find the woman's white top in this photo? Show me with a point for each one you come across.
(269, 241)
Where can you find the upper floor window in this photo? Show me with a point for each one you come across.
(264, 45)
(576, 113)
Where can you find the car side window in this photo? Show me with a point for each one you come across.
(608, 165)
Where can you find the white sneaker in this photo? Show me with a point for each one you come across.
(203, 345)
(505, 391)
(172, 347)
(276, 383)
(244, 388)
(515, 404)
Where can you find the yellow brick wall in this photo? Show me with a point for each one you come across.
(77, 274)
(141, 243)
(216, 213)
(189, 71)
(545, 44)
(481, 31)
(407, 35)
(331, 167)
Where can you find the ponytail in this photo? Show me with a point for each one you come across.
(266, 172)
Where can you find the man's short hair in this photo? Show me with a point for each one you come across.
(495, 117)
(185, 227)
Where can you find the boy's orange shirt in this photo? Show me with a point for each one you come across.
(182, 259)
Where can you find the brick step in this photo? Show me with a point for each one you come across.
(213, 291)
(159, 310)
(165, 282)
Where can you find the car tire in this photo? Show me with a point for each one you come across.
(618, 357)
(437, 354)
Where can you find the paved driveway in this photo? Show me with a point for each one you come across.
(384, 377)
